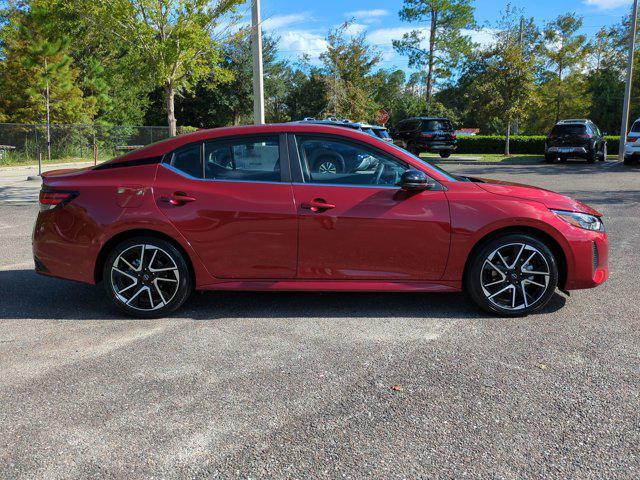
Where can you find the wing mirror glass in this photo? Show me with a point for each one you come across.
(414, 181)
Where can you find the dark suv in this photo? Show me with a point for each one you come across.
(426, 134)
(575, 139)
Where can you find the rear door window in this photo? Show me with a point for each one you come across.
(255, 159)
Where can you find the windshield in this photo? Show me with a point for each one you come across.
(430, 165)
(436, 126)
(569, 129)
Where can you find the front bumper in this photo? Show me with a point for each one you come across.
(590, 263)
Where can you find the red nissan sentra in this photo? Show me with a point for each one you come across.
(308, 207)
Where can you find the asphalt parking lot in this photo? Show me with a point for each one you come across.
(295, 385)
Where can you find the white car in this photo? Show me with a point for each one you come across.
(632, 145)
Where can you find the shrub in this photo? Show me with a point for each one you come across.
(519, 144)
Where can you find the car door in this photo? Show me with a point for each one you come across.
(232, 200)
(360, 225)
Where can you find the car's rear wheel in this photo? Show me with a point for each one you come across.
(592, 156)
(512, 275)
(549, 158)
(147, 277)
(445, 154)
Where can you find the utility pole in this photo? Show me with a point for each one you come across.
(627, 91)
(256, 50)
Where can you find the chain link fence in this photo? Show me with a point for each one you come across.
(24, 143)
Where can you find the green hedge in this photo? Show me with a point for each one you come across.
(520, 144)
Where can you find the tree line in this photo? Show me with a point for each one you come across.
(131, 62)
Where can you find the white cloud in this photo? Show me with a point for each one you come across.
(384, 36)
(367, 14)
(279, 21)
(295, 43)
(606, 4)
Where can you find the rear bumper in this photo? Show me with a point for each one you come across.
(568, 150)
(631, 150)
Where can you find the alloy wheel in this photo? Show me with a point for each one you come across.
(515, 276)
(145, 277)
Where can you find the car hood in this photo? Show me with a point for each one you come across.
(548, 198)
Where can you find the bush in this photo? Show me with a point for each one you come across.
(519, 144)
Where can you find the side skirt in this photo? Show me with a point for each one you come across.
(333, 286)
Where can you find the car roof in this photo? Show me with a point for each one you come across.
(576, 120)
(336, 122)
(162, 147)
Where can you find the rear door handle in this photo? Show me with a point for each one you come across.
(178, 198)
(317, 205)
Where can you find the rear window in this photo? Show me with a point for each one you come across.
(569, 130)
(635, 128)
(436, 126)
(382, 133)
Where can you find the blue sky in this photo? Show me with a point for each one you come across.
(303, 25)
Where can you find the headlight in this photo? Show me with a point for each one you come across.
(581, 220)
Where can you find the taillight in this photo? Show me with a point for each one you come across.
(584, 135)
(50, 199)
(427, 135)
(631, 139)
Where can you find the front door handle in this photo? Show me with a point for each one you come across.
(318, 205)
(178, 198)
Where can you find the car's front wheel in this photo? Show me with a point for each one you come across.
(512, 275)
(147, 277)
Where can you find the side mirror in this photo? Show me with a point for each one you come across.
(414, 181)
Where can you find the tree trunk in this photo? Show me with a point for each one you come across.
(169, 94)
(507, 151)
(432, 47)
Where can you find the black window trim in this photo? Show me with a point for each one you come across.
(285, 167)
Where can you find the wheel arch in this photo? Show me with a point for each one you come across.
(541, 235)
(110, 244)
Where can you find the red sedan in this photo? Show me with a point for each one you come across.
(255, 208)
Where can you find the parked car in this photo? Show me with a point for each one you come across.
(426, 134)
(243, 208)
(575, 139)
(378, 131)
(632, 144)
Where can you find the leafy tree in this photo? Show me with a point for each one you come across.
(564, 52)
(505, 88)
(175, 39)
(348, 64)
(447, 45)
(307, 93)
(37, 76)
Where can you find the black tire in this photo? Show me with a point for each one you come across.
(445, 154)
(483, 282)
(603, 154)
(592, 156)
(163, 276)
(629, 160)
(327, 164)
(563, 159)
(549, 158)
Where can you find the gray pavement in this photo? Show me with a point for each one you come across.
(298, 385)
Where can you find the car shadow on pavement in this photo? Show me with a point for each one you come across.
(27, 295)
